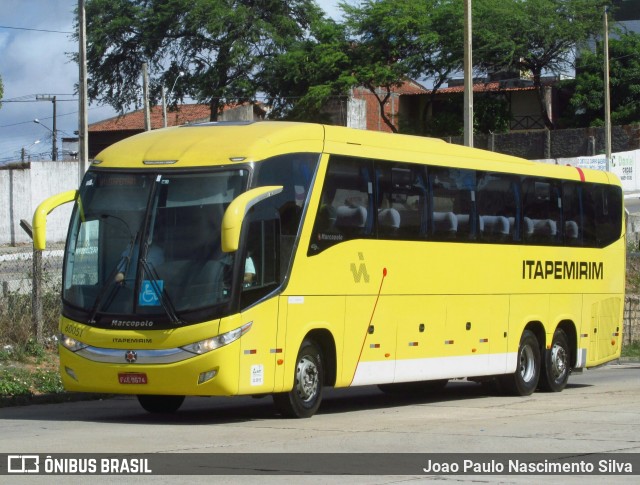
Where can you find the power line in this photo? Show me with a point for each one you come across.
(36, 30)
(35, 100)
(31, 97)
(42, 118)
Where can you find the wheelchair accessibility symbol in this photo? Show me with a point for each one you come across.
(150, 293)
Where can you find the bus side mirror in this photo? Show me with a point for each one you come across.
(236, 212)
(40, 216)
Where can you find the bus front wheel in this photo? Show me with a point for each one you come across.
(304, 399)
(160, 404)
(525, 379)
(557, 364)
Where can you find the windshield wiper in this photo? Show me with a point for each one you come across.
(117, 275)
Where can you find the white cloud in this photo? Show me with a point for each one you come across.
(34, 62)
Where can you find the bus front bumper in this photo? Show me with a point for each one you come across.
(209, 374)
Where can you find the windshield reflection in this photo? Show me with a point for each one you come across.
(149, 245)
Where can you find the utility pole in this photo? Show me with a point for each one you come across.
(83, 125)
(54, 132)
(468, 76)
(145, 96)
(164, 108)
(607, 99)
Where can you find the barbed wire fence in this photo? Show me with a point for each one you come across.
(30, 285)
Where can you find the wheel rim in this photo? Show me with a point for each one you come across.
(558, 362)
(307, 379)
(527, 363)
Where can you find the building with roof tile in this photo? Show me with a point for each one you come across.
(411, 107)
(109, 131)
(394, 109)
(520, 96)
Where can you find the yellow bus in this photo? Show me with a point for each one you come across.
(281, 258)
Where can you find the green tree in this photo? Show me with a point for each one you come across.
(624, 83)
(301, 82)
(439, 62)
(533, 36)
(390, 40)
(220, 45)
(396, 40)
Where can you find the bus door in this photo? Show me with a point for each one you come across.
(259, 272)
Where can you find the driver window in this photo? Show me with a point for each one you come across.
(261, 272)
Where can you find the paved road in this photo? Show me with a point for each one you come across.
(597, 413)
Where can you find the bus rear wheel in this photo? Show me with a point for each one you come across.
(557, 364)
(525, 379)
(304, 399)
(160, 404)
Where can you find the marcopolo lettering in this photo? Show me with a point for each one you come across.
(533, 269)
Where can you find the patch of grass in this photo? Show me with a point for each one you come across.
(28, 371)
(15, 382)
(16, 320)
(631, 350)
(47, 381)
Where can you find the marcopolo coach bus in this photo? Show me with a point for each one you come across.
(280, 258)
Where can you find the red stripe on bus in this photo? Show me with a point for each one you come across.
(581, 174)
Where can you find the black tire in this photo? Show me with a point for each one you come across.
(160, 404)
(304, 399)
(525, 379)
(556, 364)
(418, 388)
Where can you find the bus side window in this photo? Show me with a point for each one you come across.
(294, 172)
(346, 204)
(497, 208)
(453, 213)
(402, 199)
(261, 265)
(605, 203)
(541, 211)
(572, 214)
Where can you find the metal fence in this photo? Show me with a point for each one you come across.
(631, 319)
(30, 283)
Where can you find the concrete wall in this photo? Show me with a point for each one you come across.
(357, 114)
(23, 187)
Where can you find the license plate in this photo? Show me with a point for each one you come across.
(132, 378)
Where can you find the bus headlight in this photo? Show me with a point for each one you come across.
(207, 345)
(71, 344)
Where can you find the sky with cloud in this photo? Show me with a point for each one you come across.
(35, 42)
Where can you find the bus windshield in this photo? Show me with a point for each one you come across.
(148, 244)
